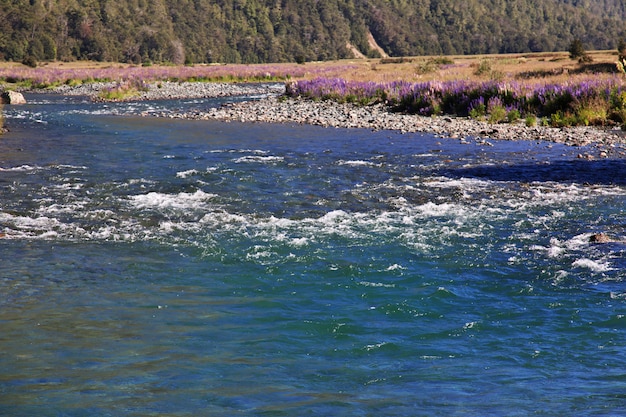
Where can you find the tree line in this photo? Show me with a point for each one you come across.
(257, 31)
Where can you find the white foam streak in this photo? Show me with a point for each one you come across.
(395, 267)
(431, 209)
(41, 227)
(55, 209)
(592, 265)
(376, 284)
(462, 183)
(356, 163)
(252, 151)
(224, 220)
(186, 174)
(180, 201)
(259, 159)
(21, 168)
(334, 217)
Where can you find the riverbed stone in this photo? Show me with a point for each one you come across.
(604, 238)
(12, 97)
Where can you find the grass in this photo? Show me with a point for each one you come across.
(555, 66)
(594, 100)
(123, 91)
(54, 74)
(496, 88)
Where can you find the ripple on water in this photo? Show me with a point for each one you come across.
(300, 270)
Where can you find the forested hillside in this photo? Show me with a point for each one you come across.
(252, 31)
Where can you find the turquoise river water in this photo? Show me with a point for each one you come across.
(156, 267)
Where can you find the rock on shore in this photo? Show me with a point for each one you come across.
(12, 97)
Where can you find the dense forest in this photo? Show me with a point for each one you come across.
(253, 31)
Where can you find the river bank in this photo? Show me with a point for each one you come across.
(269, 106)
(380, 117)
(167, 90)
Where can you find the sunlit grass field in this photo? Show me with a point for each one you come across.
(555, 67)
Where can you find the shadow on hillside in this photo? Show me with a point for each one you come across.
(596, 172)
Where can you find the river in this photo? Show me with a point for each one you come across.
(182, 268)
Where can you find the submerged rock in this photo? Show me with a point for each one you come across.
(603, 238)
(12, 97)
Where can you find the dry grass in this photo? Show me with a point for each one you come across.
(535, 72)
(552, 86)
(554, 67)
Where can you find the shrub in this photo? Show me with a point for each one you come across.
(497, 114)
(592, 111)
(577, 51)
(496, 75)
(531, 120)
(427, 67)
(621, 56)
(73, 82)
(483, 68)
(433, 64)
(123, 91)
(590, 115)
(30, 61)
(562, 119)
(621, 49)
(513, 115)
(496, 110)
(617, 107)
(117, 94)
(443, 60)
(477, 108)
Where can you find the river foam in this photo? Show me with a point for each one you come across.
(303, 269)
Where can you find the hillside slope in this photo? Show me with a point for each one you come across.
(253, 31)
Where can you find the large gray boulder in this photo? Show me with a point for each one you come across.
(12, 97)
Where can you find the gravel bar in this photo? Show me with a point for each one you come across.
(168, 90)
(605, 142)
(269, 106)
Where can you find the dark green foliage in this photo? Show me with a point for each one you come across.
(577, 51)
(621, 54)
(621, 49)
(254, 31)
(30, 61)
